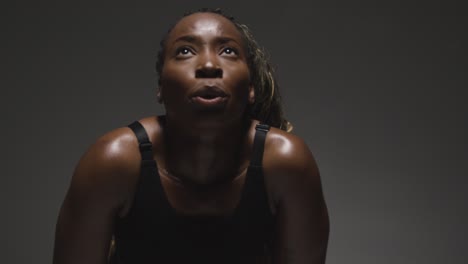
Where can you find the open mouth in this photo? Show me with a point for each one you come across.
(209, 92)
(209, 96)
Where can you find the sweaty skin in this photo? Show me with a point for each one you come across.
(202, 151)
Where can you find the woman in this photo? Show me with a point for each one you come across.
(215, 180)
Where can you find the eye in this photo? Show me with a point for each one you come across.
(183, 51)
(229, 51)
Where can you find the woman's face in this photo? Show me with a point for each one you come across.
(205, 78)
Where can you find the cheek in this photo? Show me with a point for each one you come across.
(175, 80)
(174, 74)
(240, 80)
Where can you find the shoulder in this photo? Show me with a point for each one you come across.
(289, 166)
(107, 173)
(113, 151)
(287, 152)
(107, 168)
(117, 152)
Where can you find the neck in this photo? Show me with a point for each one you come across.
(205, 155)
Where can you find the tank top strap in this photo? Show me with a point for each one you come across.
(261, 131)
(144, 144)
(254, 187)
(254, 209)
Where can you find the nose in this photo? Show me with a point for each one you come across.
(208, 67)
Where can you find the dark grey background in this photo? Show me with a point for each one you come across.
(376, 89)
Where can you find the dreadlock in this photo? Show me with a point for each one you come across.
(267, 107)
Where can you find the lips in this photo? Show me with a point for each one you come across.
(209, 96)
(209, 92)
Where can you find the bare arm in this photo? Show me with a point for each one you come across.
(96, 193)
(303, 225)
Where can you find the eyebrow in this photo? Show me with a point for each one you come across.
(196, 40)
(187, 38)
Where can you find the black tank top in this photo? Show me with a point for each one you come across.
(153, 232)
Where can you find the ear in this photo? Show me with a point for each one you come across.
(159, 96)
(251, 94)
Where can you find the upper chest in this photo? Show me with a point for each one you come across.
(217, 200)
(221, 200)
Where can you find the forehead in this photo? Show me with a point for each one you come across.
(204, 25)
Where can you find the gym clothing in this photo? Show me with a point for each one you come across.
(154, 232)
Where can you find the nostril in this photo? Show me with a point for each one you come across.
(209, 73)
